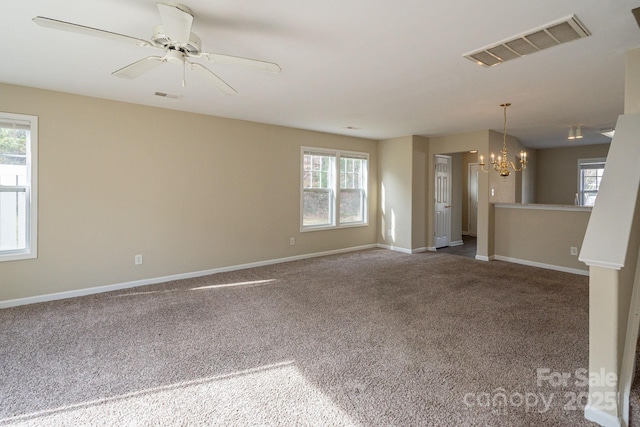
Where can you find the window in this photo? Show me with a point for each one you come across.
(18, 181)
(590, 173)
(334, 188)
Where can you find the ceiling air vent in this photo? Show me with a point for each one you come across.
(552, 34)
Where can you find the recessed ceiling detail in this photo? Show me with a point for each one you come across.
(553, 34)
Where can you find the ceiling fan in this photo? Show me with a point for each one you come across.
(174, 36)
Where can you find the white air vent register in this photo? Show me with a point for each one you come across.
(553, 34)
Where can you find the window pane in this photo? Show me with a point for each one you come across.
(317, 171)
(351, 206)
(18, 186)
(590, 199)
(352, 191)
(13, 156)
(590, 183)
(316, 207)
(13, 146)
(352, 173)
(318, 184)
(590, 177)
(13, 220)
(13, 172)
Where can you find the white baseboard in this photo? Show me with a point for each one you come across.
(108, 288)
(485, 258)
(395, 248)
(432, 249)
(542, 265)
(599, 416)
(456, 243)
(419, 250)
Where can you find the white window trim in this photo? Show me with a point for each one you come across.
(31, 251)
(335, 222)
(580, 162)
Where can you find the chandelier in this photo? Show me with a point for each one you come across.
(502, 165)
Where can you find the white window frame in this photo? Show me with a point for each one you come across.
(30, 188)
(581, 163)
(334, 221)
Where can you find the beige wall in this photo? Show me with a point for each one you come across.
(632, 83)
(419, 193)
(541, 236)
(457, 184)
(504, 189)
(403, 193)
(557, 172)
(529, 177)
(467, 158)
(395, 189)
(189, 192)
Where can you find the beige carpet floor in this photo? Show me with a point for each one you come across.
(370, 338)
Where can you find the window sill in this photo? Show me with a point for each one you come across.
(17, 255)
(333, 227)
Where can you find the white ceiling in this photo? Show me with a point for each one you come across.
(387, 68)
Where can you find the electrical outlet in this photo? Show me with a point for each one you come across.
(292, 241)
(137, 259)
(574, 251)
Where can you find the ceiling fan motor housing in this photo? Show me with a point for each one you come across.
(159, 39)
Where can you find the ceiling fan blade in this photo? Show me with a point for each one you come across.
(176, 22)
(138, 68)
(237, 60)
(89, 31)
(215, 81)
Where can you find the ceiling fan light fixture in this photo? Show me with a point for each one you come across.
(160, 40)
(572, 133)
(579, 132)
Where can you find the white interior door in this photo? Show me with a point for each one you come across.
(472, 227)
(443, 201)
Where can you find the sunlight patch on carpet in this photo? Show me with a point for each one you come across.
(268, 395)
(230, 285)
